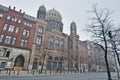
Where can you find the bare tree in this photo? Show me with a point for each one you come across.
(115, 41)
(100, 25)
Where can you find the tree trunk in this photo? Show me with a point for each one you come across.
(107, 67)
(117, 57)
(114, 45)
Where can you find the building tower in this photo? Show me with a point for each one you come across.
(41, 14)
(73, 48)
(73, 28)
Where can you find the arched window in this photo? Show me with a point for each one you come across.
(49, 63)
(55, 66)
(26, 32)
(51, 46)
(57, 44)
(19, 61)
(40, 29)
(38, 40)
(62, 45)
(35, 64)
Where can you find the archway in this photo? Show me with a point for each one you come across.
(19, 61)
(55, 64)
(35, 64)
(49, 63)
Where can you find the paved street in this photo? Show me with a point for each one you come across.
(81, 76)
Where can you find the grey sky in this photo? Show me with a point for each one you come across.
(71, 10)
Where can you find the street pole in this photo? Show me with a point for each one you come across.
(44, 55)
(42, 64)
(80, 63)
(116, 66)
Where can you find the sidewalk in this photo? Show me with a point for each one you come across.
(26, 73)
(20, 73)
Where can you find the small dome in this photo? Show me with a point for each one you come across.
(42, 8)
(73, 24)
(53, 14)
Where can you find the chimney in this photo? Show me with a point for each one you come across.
(9, 7)
(13, 8)
(20, 10)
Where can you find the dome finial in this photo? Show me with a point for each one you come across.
(73, 21)
(42, 8)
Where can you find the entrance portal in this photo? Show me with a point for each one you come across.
(19, 61)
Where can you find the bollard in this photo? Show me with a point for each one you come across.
(27, 71)
(50, 71)
(9, 72)
(64, 71)
(33, 72)
(0, 71)
(18, 72)
(39, 71)
(45, 71)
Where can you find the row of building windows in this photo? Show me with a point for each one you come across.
(19, 20)
(54, 14)
(27, 24)
(55, 26)
(14, 19)
(8, 40)
(57, 41)
(11, 28)
(56, 44)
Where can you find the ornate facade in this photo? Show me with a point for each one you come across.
(50, 43)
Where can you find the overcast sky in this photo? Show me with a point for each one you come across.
(71, 10)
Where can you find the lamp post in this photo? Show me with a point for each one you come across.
(44, 55)
(62, 62)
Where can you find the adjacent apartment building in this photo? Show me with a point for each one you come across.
(16, 37)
